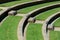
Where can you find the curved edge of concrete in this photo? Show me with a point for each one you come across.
(43, 9)
(24, 21)
(4, 13)
(21, 27)
(46, 23)
(53, 17)
(44, 32)
(27, 4)
(33, 12)
(19, 6)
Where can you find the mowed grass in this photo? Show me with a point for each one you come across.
(57, 23)
(31, 8)
(8, 29)
(0, 9)
(46, 14)
(34, 32)
(13, 3)
(54, 35)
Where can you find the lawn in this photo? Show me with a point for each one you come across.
(54, 35)
(34, 32)
(0, 9)
(31, 8)
(13, 3)
(8, 29)
(57, 23)
(46, 14)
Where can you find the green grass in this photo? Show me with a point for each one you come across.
(0, 9)
(57, 23)
(34, 32)
(13, 3)
(54, 35)
(31, 8)
(45, 15)
(8, 30)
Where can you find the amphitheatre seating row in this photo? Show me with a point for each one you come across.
(34, 13)
(53, 17)
(17, 7)
(31, 14)
(47, 24)
(43, 9)
(4, 13)
(27, 4)
(24, 21)
(13, 2)
(31, 8)
(19, 1)
(44, 15)
(50, 19)
(55, 33)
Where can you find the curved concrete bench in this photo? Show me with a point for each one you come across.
(48, 22)
(24, 21)
(19, 6)
(32, 14)
(50, 19)
(27, 4)
(4, 13)
(43, 9)
(37, 11)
